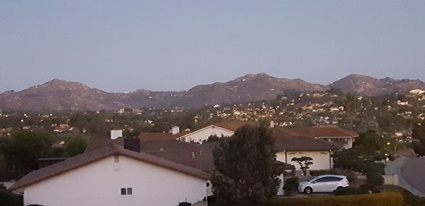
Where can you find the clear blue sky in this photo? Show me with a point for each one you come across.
(121, 46)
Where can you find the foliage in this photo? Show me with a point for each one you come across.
(373, 180)
(380, 199)
(409, 198)
(246, 167)
(374, 167)
(350, 191)
(291, 185)
(213, 138)
(418, 133)
(350, 159)
(304, 163)
(369, 142)
(75, 145)
(25, 147)
(9, 198)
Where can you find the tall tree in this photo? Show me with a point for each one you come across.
(418, 133)
(25, 147)
(370, 142)
(247, 170)
(351, 107)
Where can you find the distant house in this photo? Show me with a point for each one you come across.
(110, 176)
(225, 129)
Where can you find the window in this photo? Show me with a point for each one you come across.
(127, 191)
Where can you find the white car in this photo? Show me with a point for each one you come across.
(323, 183)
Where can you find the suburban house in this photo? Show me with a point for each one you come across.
(113, 175)
(317, 142)
(288, 146)
(329, 133)
(225, 129)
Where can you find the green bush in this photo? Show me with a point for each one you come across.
(10, 199)
(373, 180)
(350, 191)
(380, 199)
(374, 167)
(291, 185)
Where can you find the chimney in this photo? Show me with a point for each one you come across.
(175, 130)
(132, 144)
(116, 133)
(271, 124)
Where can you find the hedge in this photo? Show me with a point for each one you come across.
(379, 199)
(409, 198)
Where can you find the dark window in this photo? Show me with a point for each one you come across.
(129, 191)
(329, 179)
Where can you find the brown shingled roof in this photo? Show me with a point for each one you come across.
(93, 156)
(161, 135)
(301, 143)
(330, 131)
(189, 154)
(324, 131)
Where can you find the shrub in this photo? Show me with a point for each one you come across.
(10, 199)
(380, 199)
(184, 204)
(409, 198)
(291, 185)
(375, 167)
(373, 180)
(350, 191)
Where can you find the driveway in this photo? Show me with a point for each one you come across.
(407, 172)
(413, 172)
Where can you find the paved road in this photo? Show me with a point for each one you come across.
(405, 179)
(413, 172)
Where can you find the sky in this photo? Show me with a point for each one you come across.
(123, 46)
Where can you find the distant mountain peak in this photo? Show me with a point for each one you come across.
(58, 94)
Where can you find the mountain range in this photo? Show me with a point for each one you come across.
(59, 95)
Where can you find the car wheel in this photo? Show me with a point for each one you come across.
(308, 190)
(338, 188)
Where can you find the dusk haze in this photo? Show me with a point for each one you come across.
(121, 46)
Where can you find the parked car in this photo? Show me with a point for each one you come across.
(323, 183)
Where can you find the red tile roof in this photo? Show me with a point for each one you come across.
(98, 154)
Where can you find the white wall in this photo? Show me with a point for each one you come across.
(100, 183)
(320, 159)
(204, 133)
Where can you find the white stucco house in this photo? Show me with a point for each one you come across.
(222, 129)
(329, 133)
(111, 176)
(288, 147)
